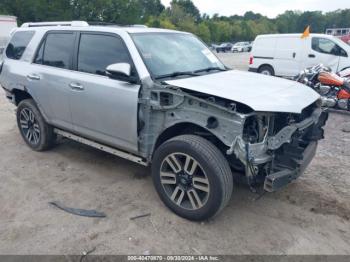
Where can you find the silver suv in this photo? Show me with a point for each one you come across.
(161, 97)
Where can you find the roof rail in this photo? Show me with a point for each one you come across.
(63, 23)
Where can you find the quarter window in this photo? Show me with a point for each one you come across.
(56, 50)
(97, 51)
(18, 44)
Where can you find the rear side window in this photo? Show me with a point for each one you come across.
(56, 50)
(97, 51)
(18, 44)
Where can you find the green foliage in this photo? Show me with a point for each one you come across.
(181, 15)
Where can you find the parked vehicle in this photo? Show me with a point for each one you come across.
(224, 48)
(286, 54)
(334, 89)
(241, 47)
(162, 98)
(7, 24)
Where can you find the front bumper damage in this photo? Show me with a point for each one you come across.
(286, 153)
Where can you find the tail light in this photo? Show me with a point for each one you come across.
(251, 60)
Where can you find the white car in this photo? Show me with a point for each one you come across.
(287, 54)
(241, 47)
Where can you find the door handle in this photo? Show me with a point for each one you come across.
(294, 55)
(312, 56)
(33, 77)
(76, 86)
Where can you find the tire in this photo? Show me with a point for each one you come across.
(266, 70)
(37, 134)
(203, 187)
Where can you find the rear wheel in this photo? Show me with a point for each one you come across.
(38, 135)
(192, 177)
(266, 70)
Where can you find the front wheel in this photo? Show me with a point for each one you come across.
(192, 177)
(38, 135)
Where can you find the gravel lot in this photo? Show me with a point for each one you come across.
(310, 216)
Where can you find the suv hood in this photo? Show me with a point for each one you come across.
(259, 92)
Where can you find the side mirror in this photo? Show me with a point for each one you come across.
(122, 72)
(119, 70)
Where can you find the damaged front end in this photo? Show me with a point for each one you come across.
(276, 148)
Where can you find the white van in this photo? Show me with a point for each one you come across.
(7, 24)
(287, 54)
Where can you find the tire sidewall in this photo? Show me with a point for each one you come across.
(216, 194)
(40, 120)
(268, 69)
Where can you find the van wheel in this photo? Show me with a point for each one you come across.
(266, 70)
(192, 177)
(38, 135)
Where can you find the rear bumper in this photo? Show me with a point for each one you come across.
(254, 70)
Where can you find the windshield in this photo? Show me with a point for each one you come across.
(169, 53)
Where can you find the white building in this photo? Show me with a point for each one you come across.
(7, 24)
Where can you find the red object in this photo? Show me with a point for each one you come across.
(346, 38)
(251, 60)
(343, 94)
(330, 79)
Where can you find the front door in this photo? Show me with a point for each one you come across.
(321, 51)
(104, 109)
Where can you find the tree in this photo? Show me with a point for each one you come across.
(188, 7)
(181, 15)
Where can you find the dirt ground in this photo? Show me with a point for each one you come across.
(310, 216)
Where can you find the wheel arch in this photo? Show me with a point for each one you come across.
(20, 95)
(266, 65)
(187, 128)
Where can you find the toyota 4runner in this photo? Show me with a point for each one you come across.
(161, 97)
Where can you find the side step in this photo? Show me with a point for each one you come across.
(102, 147)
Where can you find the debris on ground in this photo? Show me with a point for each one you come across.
(140, 216)
(77, 211)
(86, 253)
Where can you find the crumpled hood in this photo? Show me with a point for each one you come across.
(261, 93)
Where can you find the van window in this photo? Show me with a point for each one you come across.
(56, 50)
(323, 45)
(97, 51)
(327, 46)
(18, 44)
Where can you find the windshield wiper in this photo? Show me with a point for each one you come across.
(175, 74)
(214, 68)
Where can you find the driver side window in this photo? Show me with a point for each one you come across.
(327, 46)
(97, 51)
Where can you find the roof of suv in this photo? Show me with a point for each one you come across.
(81, 25)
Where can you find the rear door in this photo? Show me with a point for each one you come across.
(104, 109)
(288, 56)
(321, 50)
(50, 75)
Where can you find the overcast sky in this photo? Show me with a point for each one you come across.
(270, 8)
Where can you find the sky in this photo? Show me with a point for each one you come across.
(270, 8)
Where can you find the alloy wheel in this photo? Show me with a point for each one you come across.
(184, 181)
(30, 126)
